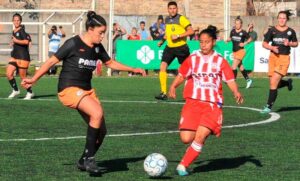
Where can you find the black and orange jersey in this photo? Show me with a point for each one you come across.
(78, 63)
(174, 26)
(277, 38)
(20, 51)
(237, 38)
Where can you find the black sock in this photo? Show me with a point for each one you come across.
(91, 139)
(29, 90)
(272, 98)
(283, 83)
(245, 74)
(235, 73)
(13, 84)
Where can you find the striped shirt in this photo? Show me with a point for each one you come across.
(204, 76)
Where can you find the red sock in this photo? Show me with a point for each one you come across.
(192, 152)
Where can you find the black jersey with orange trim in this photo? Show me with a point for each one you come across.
(20, 51)
(277, 38)
(237, 38)
(79, 62)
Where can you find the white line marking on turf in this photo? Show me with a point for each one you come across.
(274, 117)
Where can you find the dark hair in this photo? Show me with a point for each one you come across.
(211, 31)
(142, 22)
(94, 20)
(17, 14)
(288, 13)
(238, 18)
(172, 3)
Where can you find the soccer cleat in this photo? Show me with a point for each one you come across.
(181, 170)
(13, 94)
(161, 96)
(249, 83)
(80, 165)
(29, 96)
(265, 110)
(90, 165)
(290, 84)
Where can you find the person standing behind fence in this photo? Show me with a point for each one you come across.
(118, 33)
(178, 28)
(54, 43)
(282, 38)
(20, 58)
(157, 30)
(143, 32)
(251, 32)
(239, 38)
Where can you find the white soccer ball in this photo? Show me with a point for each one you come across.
(155, 165)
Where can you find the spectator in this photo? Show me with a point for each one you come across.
(143, 32)
(118, 33)
(134, 35)
(251, 32)
(195, 36)
(54, 43)
(157, 30)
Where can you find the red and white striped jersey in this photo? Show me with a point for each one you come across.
(204, 76)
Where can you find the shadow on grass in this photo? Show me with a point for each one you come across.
(286, 109)
(225, 163)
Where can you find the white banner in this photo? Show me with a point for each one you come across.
(261, 59)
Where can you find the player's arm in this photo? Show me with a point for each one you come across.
(44, 69)
(234, 89)
(162, 41)
(189, 31)
(20, 42)
(118, 66)
(63, 33)
(177, 81)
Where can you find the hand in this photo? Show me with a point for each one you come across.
(140, 71)
(172, 93)
(242, 44)
(159, 44)
(60, 27)
(238, 97)
(275, 49)
(26, 83)
(174, 37)
(286, 42)
(14, 39)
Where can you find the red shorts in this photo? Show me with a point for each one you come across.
(197, 113)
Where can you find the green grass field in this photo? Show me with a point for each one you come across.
(260, 152)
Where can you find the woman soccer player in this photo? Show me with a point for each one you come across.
(282, 38)
(239, 38)
(79, 55)
(20, 58)
(202, 113)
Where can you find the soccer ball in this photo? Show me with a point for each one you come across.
(155, 165)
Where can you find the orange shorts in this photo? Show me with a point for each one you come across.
(23, 64)
(239, 54)
(279, 64)
(72, 96)
(197, 113)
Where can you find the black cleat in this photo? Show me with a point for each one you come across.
(80, 165)
(161, 96)
(290, 84)
(89, 165)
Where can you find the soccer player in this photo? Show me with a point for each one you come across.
(178, 28)
(20, 57)
(239, 38)
(282, 38)
(202, 113)
(79, 55)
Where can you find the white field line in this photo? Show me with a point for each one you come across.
(274, 117)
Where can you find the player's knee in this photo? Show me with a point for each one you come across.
(186, 139)
(9, 75)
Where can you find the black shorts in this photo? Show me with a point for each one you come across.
(181, 53)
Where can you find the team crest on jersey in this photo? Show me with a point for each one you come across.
(241, 33)
(17, 34)
(289, 33)
(97, 49)
(214, 66)
(173, 28)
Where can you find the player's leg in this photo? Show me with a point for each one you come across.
(245, 75)
(23, 74)
(10, 70)
(235, 65)
(89, 106)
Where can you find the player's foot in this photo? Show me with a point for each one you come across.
(90, 165)
(181, 170)
(290, 84)
(265, 110)
(13, 94)
(80, 164)
(29, 96)
(161, 96)
(249, 83)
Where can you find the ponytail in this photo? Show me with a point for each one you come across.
(94, 20)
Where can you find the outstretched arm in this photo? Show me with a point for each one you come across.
(118, 66)
(178, 81)
(237, 95)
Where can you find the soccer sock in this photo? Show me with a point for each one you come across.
(13, 84)
(245, 74)
(192, 152)
(91, 139)
(163, 82)
(272, 97)
(235, 73)
(283, 83)
(29, 90)
(99, 141)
